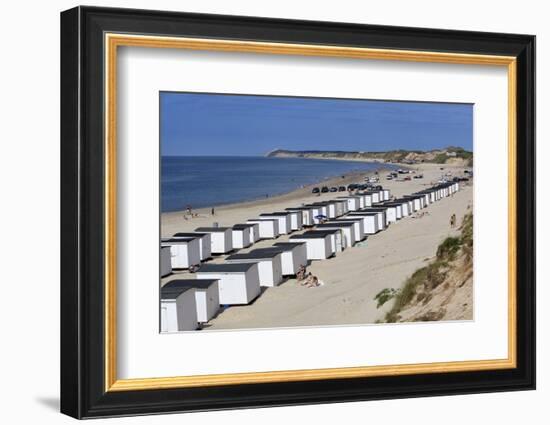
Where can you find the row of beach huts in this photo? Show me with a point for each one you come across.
(330, 227)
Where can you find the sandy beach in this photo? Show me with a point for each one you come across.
(350, 280)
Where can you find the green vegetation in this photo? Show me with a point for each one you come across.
(440, 158)
(384, 296)
(448, 248)
(427, 278)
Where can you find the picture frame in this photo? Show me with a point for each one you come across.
(90, 39)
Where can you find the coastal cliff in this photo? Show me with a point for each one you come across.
(450, 155)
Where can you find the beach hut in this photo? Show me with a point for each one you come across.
(375, 196)
(221, 239)
(416, 201)
(331, 209)
(358, 226)
(165, 261)
(394, 210)
(401, 206)
(269, 265)
(316, 211)
(242, 235)
(296, 220)
(347, 228)
(239, 283)
(307, 215)
(341, 207)
(284, 221)
(184, 252)
(294, 255)
(268, 228)
(386, 194)
(207, 296)
(318, 244)
(407, 206)
(381, 214)
(369, 221)
(178, 309)
(205, 244)
(353, 202)
(368, 200)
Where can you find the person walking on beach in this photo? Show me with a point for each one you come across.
(453, 220)
(213, 212)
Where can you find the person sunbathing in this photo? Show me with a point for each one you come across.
(314, 282)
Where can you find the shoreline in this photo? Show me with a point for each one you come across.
(344, 179)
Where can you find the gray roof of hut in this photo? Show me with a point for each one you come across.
(289, 244)
(212, 229)
(190, 234)
(253, 255)
(225, 268)
(243, 226)
(175, 287)
(176, 240)
(313, 234)
(338, 223)
(279, 213)
(171, 292)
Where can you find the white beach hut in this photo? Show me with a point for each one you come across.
(296, 220)
(239, 283)
(165, 261)
(386, 194)
(352, 202)
(368, 199)
(269, 265)
(221, 239)
(340, 205)
(207, 297)
(401, 206)
(347, 228)
(358, 226)
(284, 221)
(307, 215)
(268, 228)
(319, 244)
(318, 210)
(242, 235)
(375, 196)
(294, 255)
(178, 309)
(370, 222)
(381, 214)
(205, 243)
(185, 252)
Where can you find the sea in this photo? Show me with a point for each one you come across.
(208, 181)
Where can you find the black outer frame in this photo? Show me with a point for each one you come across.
(82, 203)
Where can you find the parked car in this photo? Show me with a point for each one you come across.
(352, 186)
(315, 190)
(324, 189)
(407, 178)
(342, 189)
(378, 187)
(388, 177)
(334, 189)
(418, 176)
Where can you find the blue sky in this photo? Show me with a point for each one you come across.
(213, 124)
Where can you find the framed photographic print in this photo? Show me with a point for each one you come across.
(261, 212)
